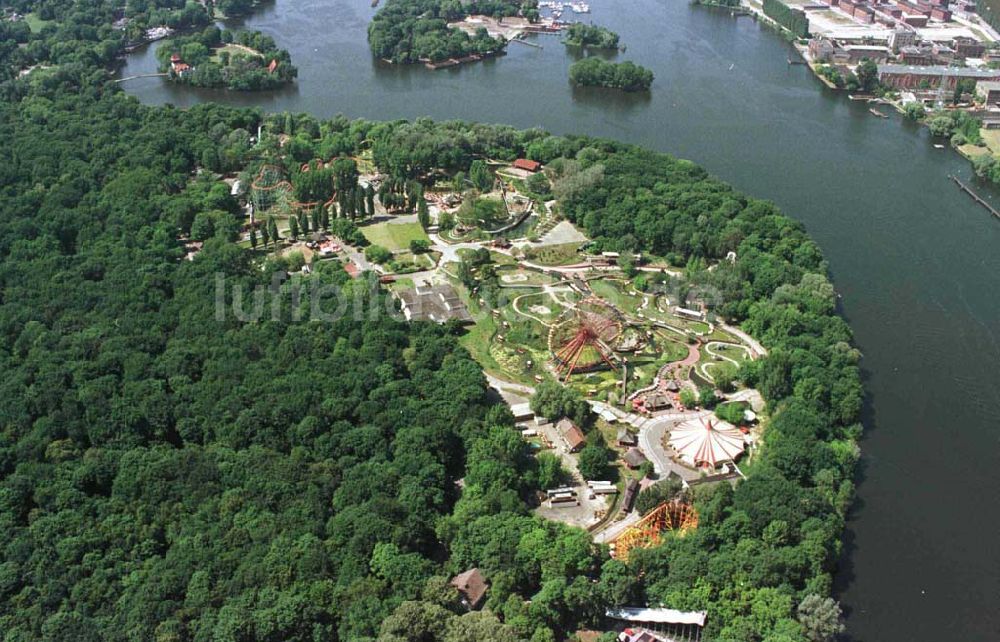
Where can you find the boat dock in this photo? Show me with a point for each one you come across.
(976, 197)
(119, 80)
(525, 42)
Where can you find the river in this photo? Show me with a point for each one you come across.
(915, 260)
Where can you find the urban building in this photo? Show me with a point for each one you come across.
(901, 38)
(968, 48)
(988, 93)
(931, 76)
(916, 56)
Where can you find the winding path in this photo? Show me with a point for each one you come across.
(708, 348)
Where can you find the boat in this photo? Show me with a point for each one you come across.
(731, 66)
(938, 146)
(875, 112)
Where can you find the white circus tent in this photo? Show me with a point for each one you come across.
(707, 442)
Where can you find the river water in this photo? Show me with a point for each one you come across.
(914, 259)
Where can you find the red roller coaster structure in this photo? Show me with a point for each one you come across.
(675, 516)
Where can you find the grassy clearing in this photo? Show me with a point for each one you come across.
(394, 236)
(540, 305)
(502, 259)
(612, 292)
(234, 50)
(401, 283)
(518, 278)
(556, 255)
(737, 354)
(407, 262)
(35, 23)
(992, 139)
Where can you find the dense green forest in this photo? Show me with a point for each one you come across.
(171, 472)
(595, 72)
(406, 31)
(241, 60)
(583, 35)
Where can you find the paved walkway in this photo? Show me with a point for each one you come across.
(615, 529)
(507, 388)
(750, 396)
(449, 251)
(757, 349)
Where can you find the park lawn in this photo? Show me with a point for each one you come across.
(992, 139)
(736, 354)
(518, 278)
(614, 294)
(233, 50)
(477, 341)
(394, 236)
(400, 284)
(35, 23)
(542, 299)
(670, 350)
(554, 255)
(597, 383)
(502, 259)
(699, 327)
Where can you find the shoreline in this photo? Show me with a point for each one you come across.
(758, 14)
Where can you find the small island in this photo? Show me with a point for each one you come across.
(242, 61)
(581, 35)
(625, 76)
(442, 34)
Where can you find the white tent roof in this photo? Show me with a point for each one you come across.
(657, 616)
(709, 442)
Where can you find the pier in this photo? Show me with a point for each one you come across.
(976, 197)
(163, 75)
(525, 42)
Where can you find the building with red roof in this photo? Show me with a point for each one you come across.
(472, 586)
(527, 165)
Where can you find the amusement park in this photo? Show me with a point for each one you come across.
(622, 376)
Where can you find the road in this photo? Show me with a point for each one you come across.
(507, 389)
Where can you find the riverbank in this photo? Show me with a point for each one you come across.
(833, 77)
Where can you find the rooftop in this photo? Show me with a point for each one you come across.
(939, 70)
(472, 585)
(634, 458)
(438, 303)
(657, 616)
(571, 433)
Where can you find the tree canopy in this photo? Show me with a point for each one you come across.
(626, 76)
(180, 463)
